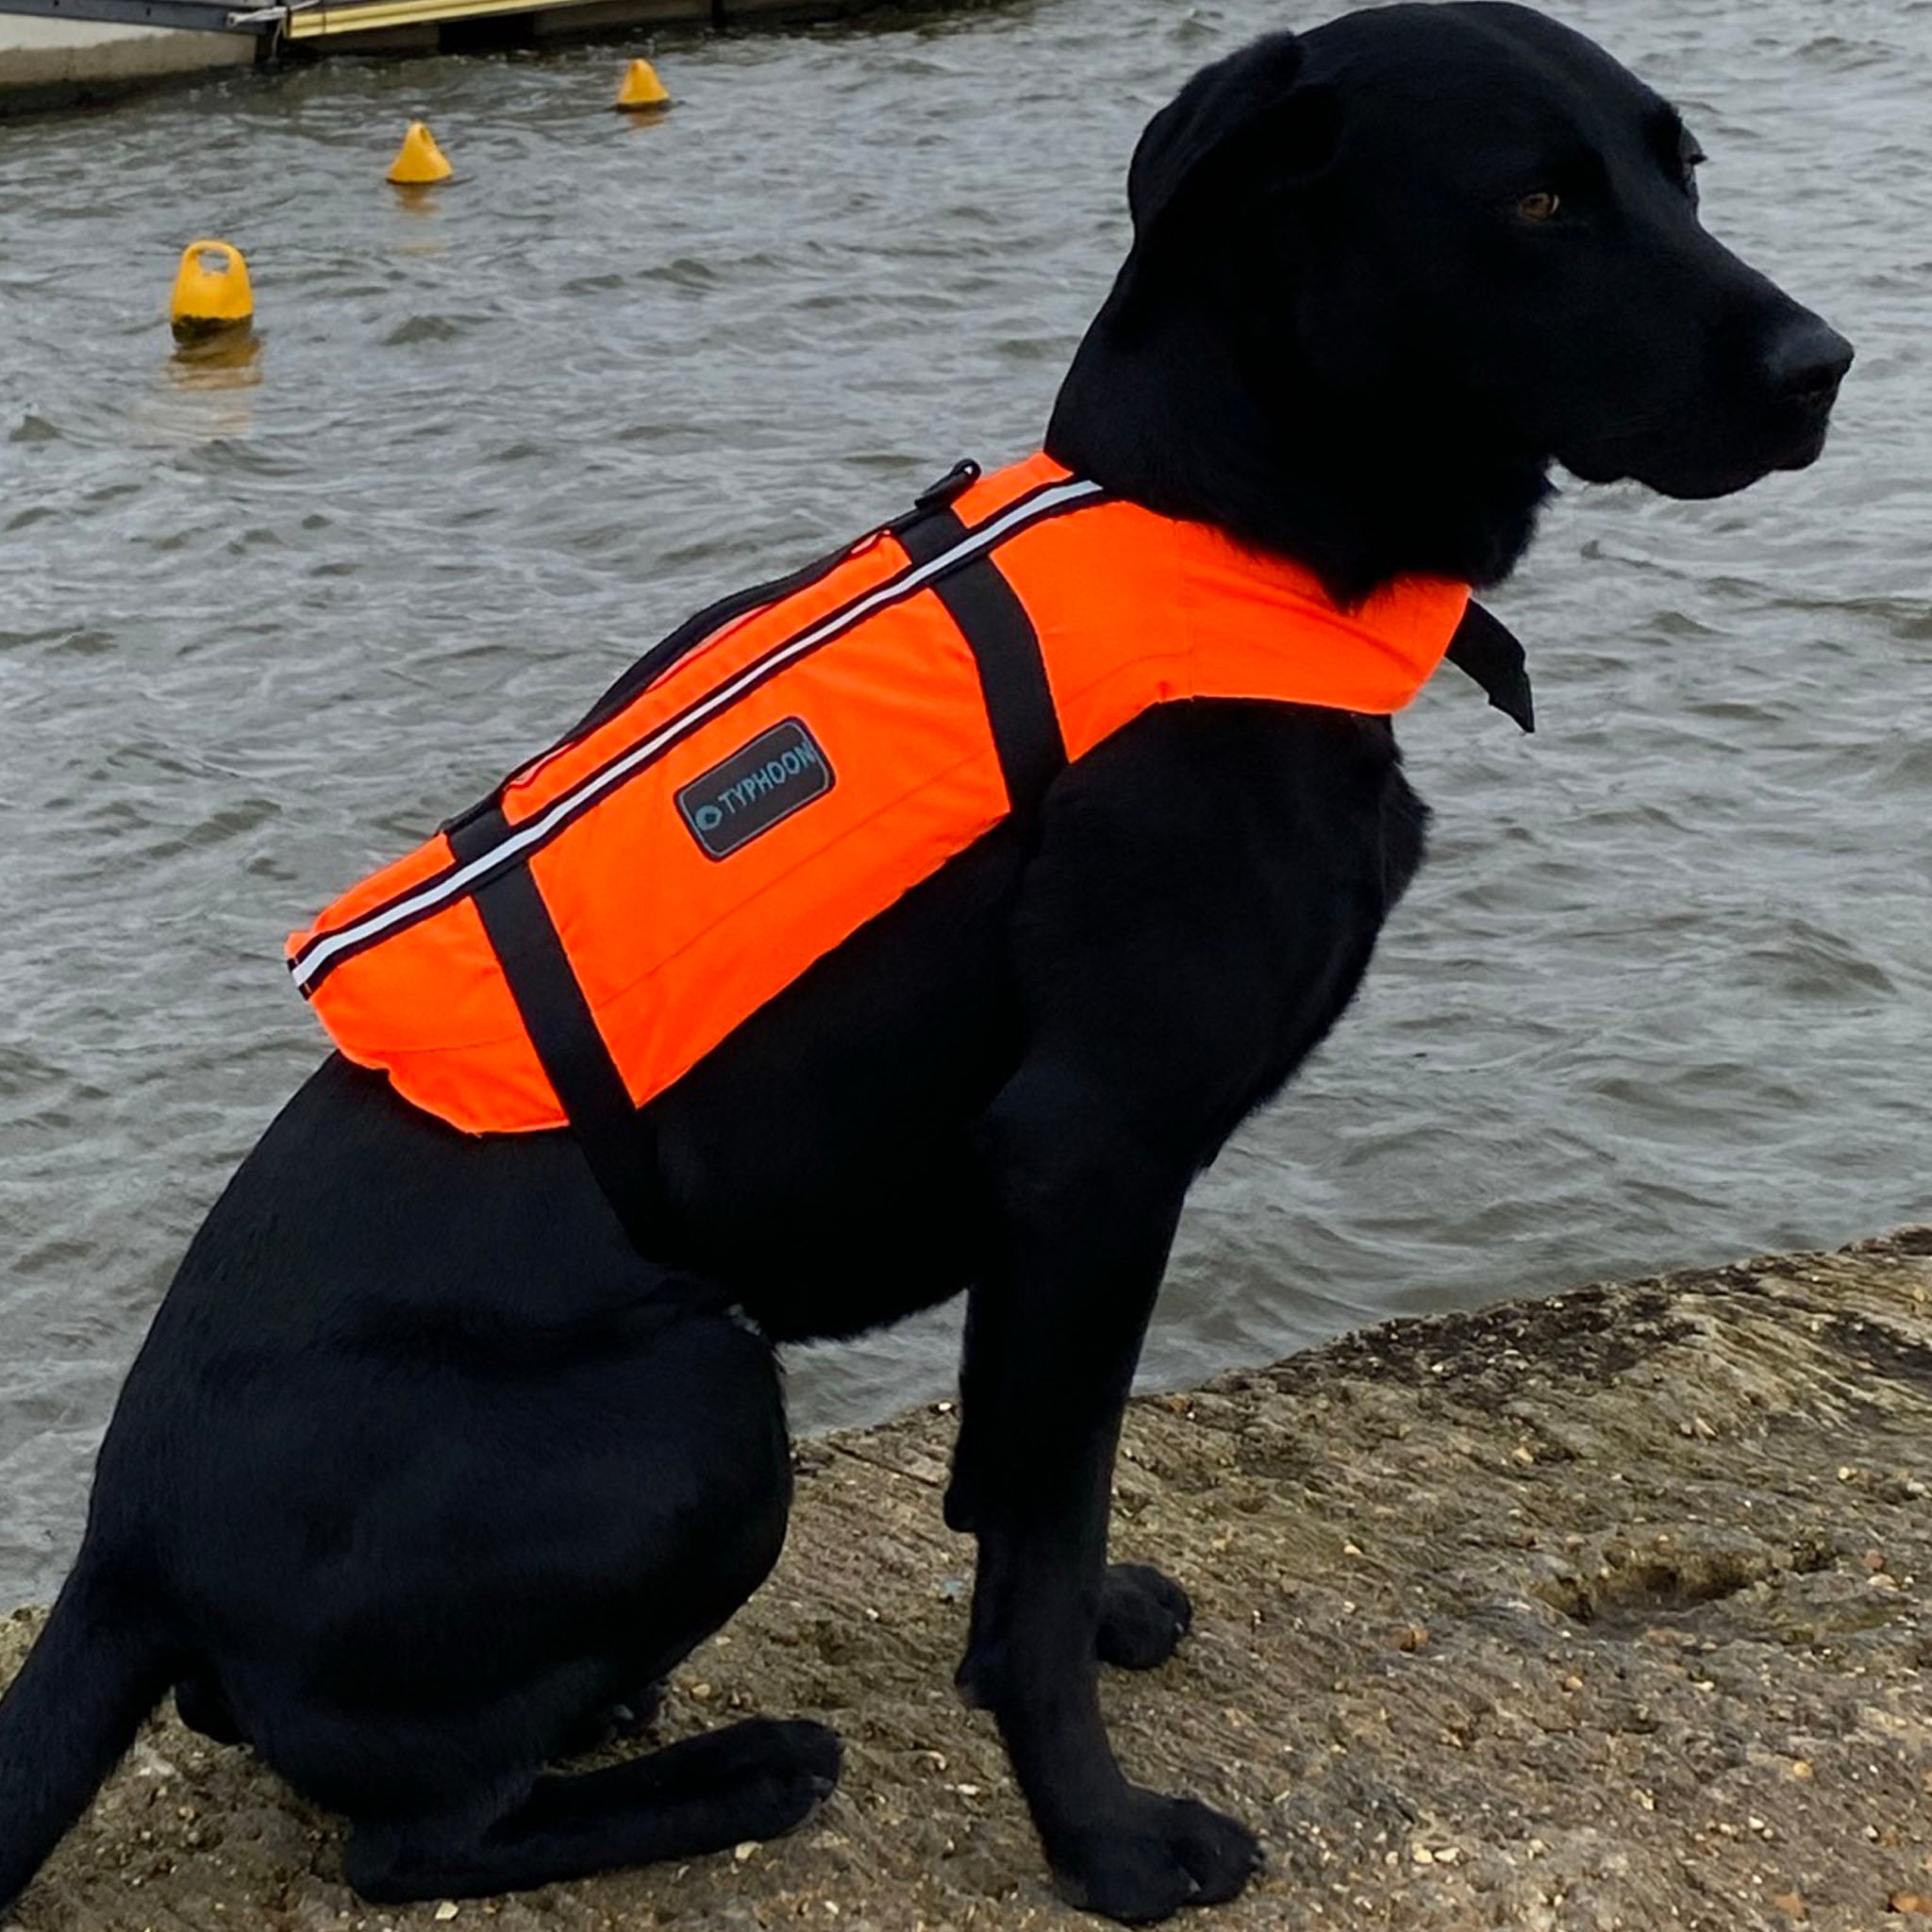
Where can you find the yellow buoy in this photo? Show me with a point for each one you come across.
(642, 89)
(419, 161)
(211, 291)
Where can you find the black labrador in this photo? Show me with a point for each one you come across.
(423, 1471)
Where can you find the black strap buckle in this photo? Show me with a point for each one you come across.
(455, 827)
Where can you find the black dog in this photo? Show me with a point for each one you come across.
(422, 1469)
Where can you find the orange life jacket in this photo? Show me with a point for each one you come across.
(790, 762)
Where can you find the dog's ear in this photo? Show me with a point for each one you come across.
(1242, 122)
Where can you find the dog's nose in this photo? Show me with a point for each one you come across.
(1807, 360)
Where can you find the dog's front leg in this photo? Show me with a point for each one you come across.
(1087, 1210)
(1143, 1614)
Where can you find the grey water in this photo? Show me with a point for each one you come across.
(1660, 998)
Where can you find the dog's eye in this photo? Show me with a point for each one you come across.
(1539, 207)
(1688, 162)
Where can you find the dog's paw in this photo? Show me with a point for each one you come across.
(1159, 1855)
(639, 1712)
(780, 1774)
(1144, 1615)
(609, 1722)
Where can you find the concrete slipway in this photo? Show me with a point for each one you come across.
(1609, 1612)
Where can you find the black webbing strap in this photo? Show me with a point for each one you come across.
(617, 1139)
(1006, 647)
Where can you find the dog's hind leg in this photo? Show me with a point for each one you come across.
(753, 1780)
(553, 1525)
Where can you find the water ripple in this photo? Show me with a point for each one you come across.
(1661, 996)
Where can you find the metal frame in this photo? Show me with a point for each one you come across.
(317, 19)
(197, 16)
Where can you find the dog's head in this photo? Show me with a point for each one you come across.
(1441, 246)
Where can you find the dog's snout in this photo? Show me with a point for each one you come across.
(1807, 360)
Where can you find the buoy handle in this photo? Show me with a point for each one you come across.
(196, 253)
(211, 289)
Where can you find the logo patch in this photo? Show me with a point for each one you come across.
(778, 773)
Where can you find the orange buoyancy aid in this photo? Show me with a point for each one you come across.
(789, 764)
